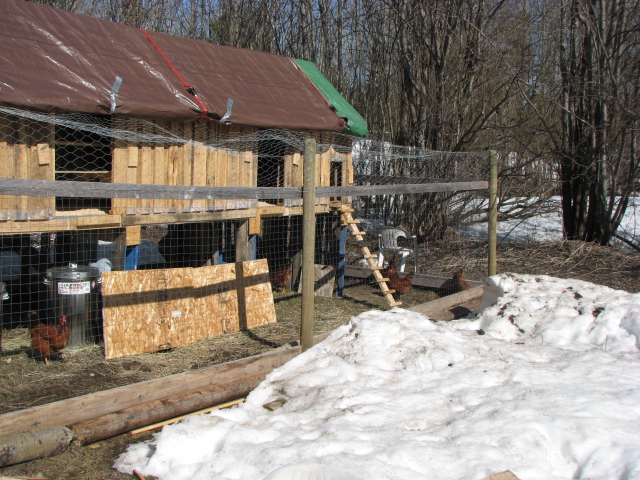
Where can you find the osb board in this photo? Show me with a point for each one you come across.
(151, 310)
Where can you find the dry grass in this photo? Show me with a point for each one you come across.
(26, 382)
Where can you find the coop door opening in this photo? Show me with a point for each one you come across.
(336, 177)
(271, 165)
(83, 156)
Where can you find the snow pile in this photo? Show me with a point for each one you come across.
(543, 383)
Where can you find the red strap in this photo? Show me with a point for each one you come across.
(188, 87)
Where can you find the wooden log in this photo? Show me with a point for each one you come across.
(123, 421)
(85, 407)
(28, 446)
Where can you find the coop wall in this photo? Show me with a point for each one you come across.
(37, 150)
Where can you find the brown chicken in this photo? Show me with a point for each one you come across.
(280, 277)
(48, 340)
(397, 283)
(458, 282)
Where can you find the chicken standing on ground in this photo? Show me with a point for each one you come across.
(400, 285)
(280, 277)
(459, 282)
(48, 340)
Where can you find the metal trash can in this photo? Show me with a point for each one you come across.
(4, 295)
(74, 294)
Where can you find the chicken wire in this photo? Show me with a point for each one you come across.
(202, 193)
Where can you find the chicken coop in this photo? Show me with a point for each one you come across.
(171, 165)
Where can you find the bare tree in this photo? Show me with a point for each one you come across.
(595, 142)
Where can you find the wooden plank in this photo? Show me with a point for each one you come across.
(400, 189)
(109, 221)
(182, 417)
(448, 302)
(162, 218)
(133, 235)
(93, 221)
(55, 225)
(255, 224)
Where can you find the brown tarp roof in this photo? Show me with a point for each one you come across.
(55, 61)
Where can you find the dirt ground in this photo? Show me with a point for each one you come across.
(22, 378)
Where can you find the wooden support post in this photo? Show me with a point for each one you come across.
(308, 242)
(242, 241)
(344, 233)
(493, 212)
(119, 255)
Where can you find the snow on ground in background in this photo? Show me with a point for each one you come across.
(544, 383)
(548, 227)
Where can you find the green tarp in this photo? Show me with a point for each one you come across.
(355, 123)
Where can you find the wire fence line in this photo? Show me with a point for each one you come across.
(159, 236)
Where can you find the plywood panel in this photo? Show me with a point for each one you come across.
(150, 310)
(254, 284)
(216, 298)
(145, 311)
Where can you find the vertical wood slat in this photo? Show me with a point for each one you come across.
(323, 173)
(133, 205)
(172, 154)
(22, 164)
(146, 170)
(119, 170)
(212, 164)
(42, 167)
(160, 172)
(8, 203)
(200, 164)
(187, 162)
(234, 161)
(222, 169)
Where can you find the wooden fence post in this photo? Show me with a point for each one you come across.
(308, 242)
(493, 211)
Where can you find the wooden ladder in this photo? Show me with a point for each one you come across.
(347, 219)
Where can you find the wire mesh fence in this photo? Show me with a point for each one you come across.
(158, 241)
